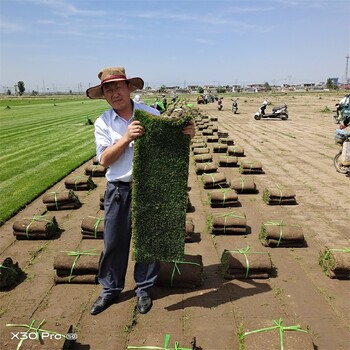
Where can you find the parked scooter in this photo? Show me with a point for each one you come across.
(220, 104)
(342, 138)
(280, 112)
(234, 106)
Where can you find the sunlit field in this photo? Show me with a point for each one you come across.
(42, 140)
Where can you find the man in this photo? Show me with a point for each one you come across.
(344, 102)
(115, 132)
(137, 99)
(164, 101)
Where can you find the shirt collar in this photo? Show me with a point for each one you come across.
(116, 115)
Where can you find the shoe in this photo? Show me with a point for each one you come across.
(144, 304)
(101, 304)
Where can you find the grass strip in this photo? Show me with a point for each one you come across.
(160, 176)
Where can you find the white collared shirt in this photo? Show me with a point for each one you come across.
(109, 128)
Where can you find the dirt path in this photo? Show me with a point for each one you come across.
(298, 153)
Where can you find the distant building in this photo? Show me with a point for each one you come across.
(335, 81)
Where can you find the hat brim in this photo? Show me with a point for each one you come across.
(95, 92)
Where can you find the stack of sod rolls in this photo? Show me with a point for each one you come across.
(202, 158)
(186, 273)
(243, 184)
(335, 262)
(245, 263)
(159, 197)
(79, 183)
(10, 274)
(189, 230)
(227, 140)
(223, 197)
(236, 150)
(95, 170)
(61, 200)
(228, 161)
(214, 180)
(219, 148)
(207, 167)
(92, 227)
(281, 234)
(77, 266)
(250, 167)
(36, 227)
(276, 334)
(222, 134)
(231, 223)
(278, 194)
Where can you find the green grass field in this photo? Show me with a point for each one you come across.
(42, 140)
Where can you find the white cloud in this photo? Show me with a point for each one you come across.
(65, 9)
(11, 27)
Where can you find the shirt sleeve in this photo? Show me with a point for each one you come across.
(102, 137)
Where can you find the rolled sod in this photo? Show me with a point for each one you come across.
(159, 189)
(335, 262)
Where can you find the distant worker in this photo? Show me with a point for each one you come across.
(137, 99)
(165, 102)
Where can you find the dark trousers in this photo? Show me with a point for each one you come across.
(117, 237)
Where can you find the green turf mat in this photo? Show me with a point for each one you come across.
(159, 199)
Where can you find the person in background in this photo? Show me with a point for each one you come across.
(115, 132)
(340, 105)
(137, 99)
(165, 102)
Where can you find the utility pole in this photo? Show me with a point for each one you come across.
(346, 69)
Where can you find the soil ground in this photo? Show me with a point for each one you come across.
(299, 153)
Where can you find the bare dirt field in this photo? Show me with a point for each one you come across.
(297, 153)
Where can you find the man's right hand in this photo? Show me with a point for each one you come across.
(134, 131)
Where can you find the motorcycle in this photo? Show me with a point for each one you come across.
(219, 104)
(280, 112)
(341, 137)
(234, 107)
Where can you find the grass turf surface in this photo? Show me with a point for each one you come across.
(160, 176)
(42, 140)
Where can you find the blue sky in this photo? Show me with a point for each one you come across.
(59, 45)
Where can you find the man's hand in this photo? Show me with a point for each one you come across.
(134, 131)
(189, 129)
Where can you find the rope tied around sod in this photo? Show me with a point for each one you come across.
(77, 255)
(278, 326)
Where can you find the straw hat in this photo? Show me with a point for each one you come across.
(110, 74)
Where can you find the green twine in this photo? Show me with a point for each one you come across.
(166, 343)
(77, 255)
(176, 268)
(280, 188)
(245, 252)
(36, 218)
(98, 220)
(76, 180)
(280, 224)
(329, 250)
(281, 329)
(231, 214)
(55, 196)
